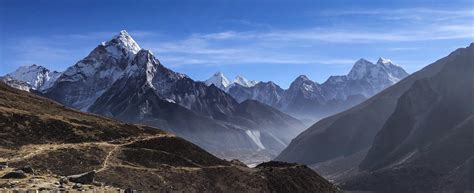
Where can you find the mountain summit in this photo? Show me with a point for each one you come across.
(81, 84)
(122, 44)
(219, 80)
(35, 77)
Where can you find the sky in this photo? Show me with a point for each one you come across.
(260, 40)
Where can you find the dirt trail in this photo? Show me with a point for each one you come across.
(33, 150)
(105, 164)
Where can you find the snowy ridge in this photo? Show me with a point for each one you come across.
(244, 82)
(122, 44)
(18, 84)
(36, 76)
(219, 80)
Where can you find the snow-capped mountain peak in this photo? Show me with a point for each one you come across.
(122, 44)
(302, 77)
(304, 83)
(360, 69)
(384, 61)
(219, 80)
(244, 82)
(95, 73)
(380, 75)
(38, 77)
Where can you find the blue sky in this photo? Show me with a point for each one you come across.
(261, 40)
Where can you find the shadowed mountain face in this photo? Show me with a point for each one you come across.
(430, 135)
(266, 92)
(353, 130)
(417, 134)
(56, 140)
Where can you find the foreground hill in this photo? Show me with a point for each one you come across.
(56, 141)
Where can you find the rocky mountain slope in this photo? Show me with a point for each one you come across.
(266, 92)
(81, 84)
(52, 141)
(213, 120)
(352, 130)
(428, 137)
(413, 130)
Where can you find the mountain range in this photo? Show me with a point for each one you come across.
(119, 79)
(414, 136)
(306, 99)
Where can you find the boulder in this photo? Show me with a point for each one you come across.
(3, 165)
(14, 175)
(27, 169)
(63, 180)
(77, 186)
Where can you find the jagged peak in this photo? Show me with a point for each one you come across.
(239, 77)
(220, 74)
(124, 41)
(218, 79)
(37, 76)
(382, 60)
(385, 62)
(30, 68)
(302, 80)
(244, 82)
(363, 61)
(123, 33)
(302, 77)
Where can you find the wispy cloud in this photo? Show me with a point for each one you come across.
(232, 47)
(269, 46)
(420, 13)
(403, 48)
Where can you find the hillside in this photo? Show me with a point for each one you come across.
(56, 141)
